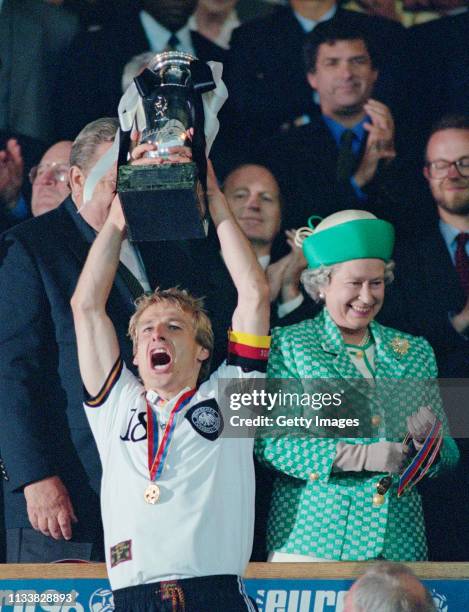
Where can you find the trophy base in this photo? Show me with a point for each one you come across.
(161, 202)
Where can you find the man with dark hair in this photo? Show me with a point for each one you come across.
(265, 72)
(332, 32)
(430, 298)
(336, 160)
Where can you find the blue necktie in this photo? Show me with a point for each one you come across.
(173, 42)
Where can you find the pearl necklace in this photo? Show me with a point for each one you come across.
(366, 338)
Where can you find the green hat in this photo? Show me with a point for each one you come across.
(346, 235)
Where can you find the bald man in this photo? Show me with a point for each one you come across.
(253, 194)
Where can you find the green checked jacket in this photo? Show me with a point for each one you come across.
(316, 511)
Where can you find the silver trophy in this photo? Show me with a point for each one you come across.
(167, 201)
(169, 107)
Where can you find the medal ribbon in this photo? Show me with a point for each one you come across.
(157, 453)
(430, 461)
(431, 447)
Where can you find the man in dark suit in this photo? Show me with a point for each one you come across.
(50, 468)
(430, 267)
(265, 72)
(430, 297)
(90, 82)
(337, 159)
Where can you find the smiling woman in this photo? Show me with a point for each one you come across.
(337, 498)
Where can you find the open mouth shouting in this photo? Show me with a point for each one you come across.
(160, 360)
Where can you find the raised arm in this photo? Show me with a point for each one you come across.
(98, 347)
(253, 308)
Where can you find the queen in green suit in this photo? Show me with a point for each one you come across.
(335, 497)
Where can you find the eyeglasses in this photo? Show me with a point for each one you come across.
(439, 169)
(59, 171)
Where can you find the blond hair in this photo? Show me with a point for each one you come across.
(187, 303)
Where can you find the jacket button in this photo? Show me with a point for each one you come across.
(375, 420)
(314, 476)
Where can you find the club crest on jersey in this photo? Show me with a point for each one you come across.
(206, 419)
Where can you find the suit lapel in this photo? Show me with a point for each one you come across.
(316, 136)
(333, 345)
(78, 236)
(292, 34)
(206, 50)
(440, 273)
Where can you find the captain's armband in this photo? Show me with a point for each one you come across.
(248, 351)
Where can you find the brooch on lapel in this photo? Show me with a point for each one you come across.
(400, 345)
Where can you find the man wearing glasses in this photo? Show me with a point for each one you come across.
(431, 298)
(50, 178)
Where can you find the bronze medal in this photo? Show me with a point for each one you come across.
(157, 453)
(152, 493)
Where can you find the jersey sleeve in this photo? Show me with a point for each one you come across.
(106, 410)
(247, 357)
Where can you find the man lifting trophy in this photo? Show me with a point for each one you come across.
(170, 111)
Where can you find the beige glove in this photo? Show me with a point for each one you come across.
(419, 425)
(375, 457)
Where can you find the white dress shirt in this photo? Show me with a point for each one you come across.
(158, 36)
